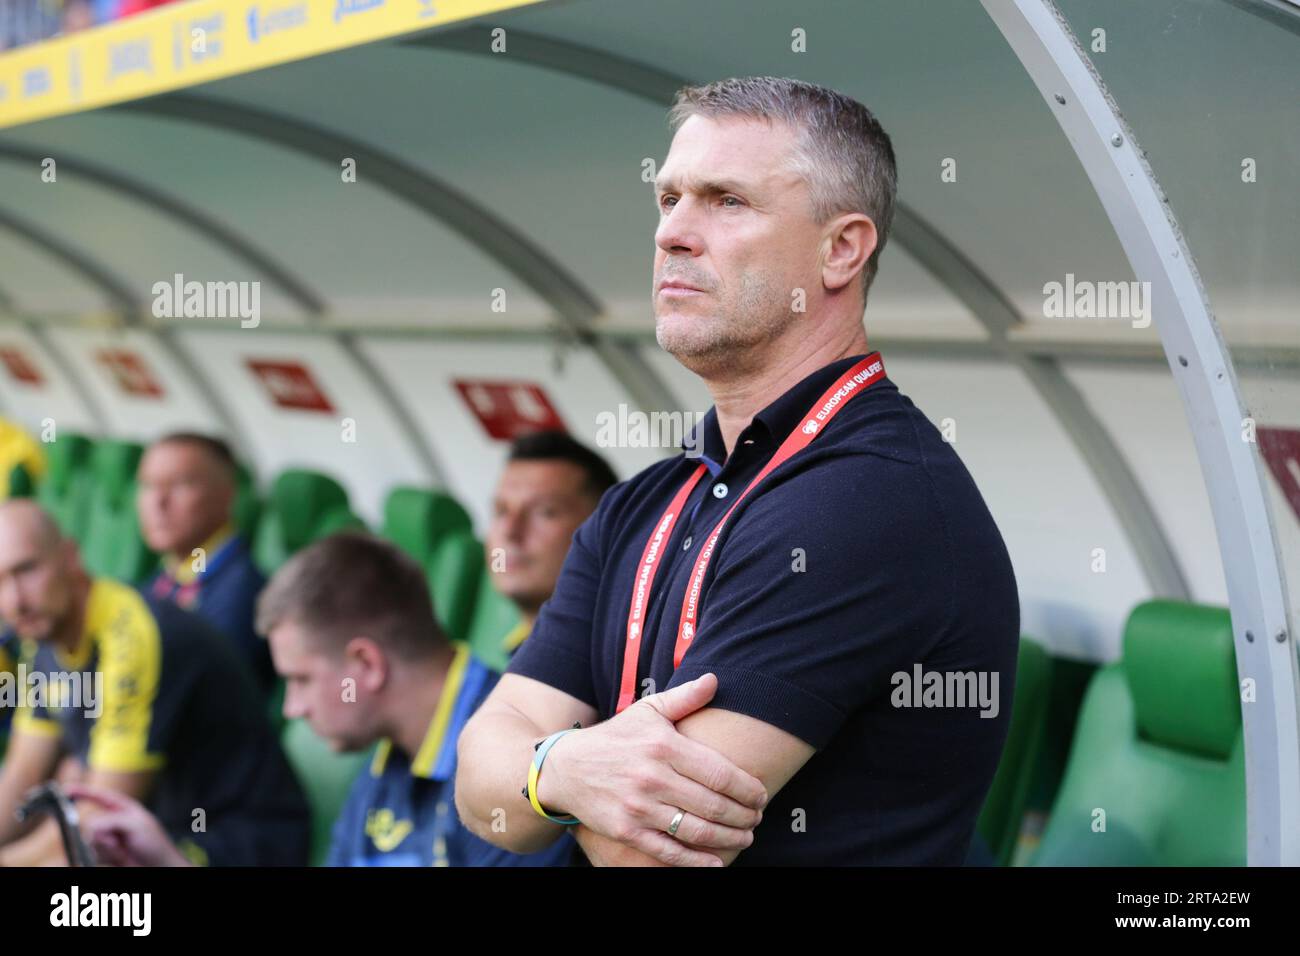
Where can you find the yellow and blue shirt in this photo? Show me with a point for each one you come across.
(518, 634)
(402, 811)
(224, 593)
(172, 697)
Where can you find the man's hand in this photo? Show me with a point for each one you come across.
(123, 833)
(627, 778)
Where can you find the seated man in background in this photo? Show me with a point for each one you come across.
(185, 498)
(550, 484)
(149, 700)
(353, 634)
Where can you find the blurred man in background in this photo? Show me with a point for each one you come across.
(353, 634)
(185, 496)
(550, 484)
(150, 702)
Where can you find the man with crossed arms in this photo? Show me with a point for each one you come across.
(776, 632)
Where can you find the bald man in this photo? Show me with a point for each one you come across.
(148, 701)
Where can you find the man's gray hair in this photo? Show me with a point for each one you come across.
(842, 152)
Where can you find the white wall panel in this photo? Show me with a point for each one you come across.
(1140, 407)
(30, 403)
(279, 437)
(423, 371)
(139, 417)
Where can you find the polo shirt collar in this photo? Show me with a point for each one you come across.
(516, 637)
(773, 423)
(436, 758)
(712, 450)
(182, 571)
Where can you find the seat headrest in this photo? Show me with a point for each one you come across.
(64, 456)
(1182, 672)
(417, 520)
(301, 498)
(114, 464)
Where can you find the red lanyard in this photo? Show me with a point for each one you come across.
(855, 381)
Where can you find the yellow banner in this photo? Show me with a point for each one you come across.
(200, 40)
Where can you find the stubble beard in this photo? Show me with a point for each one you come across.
(720, 339)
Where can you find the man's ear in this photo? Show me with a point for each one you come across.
(849, 244)
(368, 662)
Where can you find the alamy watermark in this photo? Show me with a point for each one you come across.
(630, 428)
(922, 688)
(132, 911)
(1098, 300)
(208, 300)
(53, 691)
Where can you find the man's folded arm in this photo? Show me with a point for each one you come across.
(494, 753)
(767, 752)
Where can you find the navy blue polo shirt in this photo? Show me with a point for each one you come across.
(225, 595)
(857, 571)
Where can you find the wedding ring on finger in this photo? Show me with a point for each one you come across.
(677, 821)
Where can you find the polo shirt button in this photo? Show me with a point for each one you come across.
(686, 545)
(720, 490)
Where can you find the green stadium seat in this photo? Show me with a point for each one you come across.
(326, 778)
(112, 544)
(338, 519)
(65, 491)
(1158, 749)
(247, 508)
(494, 618)
(302, 507)
(999, 821)
(21, 483)
(454, 575)
(416, 520)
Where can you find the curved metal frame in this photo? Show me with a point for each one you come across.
(124, 301)
(117, 291)
(1280, 13)
(573, 303)
(265, 263)
(171, 207)
(1203, 371)
(1109, 467)
(89, 405)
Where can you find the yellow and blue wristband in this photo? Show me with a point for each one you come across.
(540, 751)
